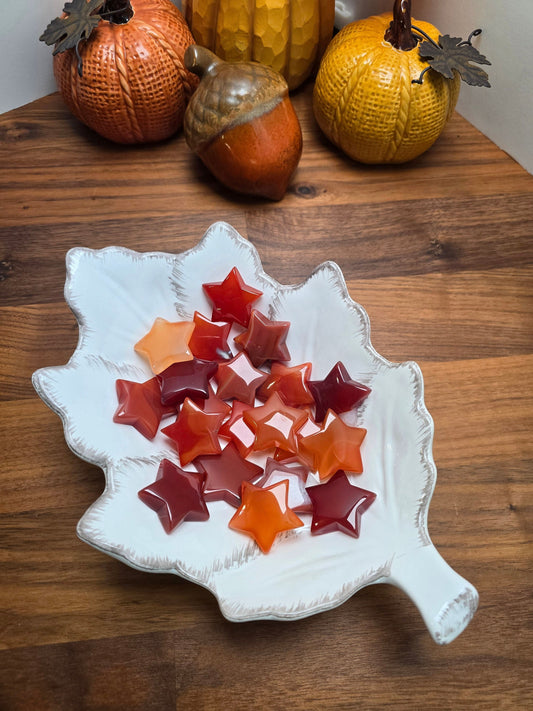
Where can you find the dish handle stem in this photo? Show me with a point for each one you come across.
(446, 601)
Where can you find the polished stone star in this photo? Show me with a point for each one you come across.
(166, 343)
(335, 446)
(338, 505)
(209, 340)
(232, 299)
(337, 392)
(264, 339)
(194, 432)
(264, 513)
(225, 474)
(176, 495)
(139, 405)
(275, 424)
(290, 382)
(236, 429)
(187, 379)
(237, 378)
(296, 474)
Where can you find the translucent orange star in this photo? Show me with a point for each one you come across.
(195, 432)
(264, 513)
(336, 446)
(275, 424)
(166, 343)
(290, 382)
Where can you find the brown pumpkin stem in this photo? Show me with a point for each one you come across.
(399, 33)
(118, 12)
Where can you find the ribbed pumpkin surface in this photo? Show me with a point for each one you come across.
(364, 100)
(134, 87)
(288, 35)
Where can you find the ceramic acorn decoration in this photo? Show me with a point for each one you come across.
(387, 85)
(119, 66)
(242, 125)
(288, 35)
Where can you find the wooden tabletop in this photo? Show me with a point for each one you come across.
(439, 252)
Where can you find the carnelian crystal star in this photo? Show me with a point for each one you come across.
(186, 379)
(290, 382)
(166, 343)
(225, 473)
(194, 432)
(264, 513)
(296, 474)
(335, 446)
(337, 392)
(275, 424)
(236, 429)
(176, 495)
(338, 506)
(237, 378)
(232, 299)
(139, 405)
(264, 340)
(209, 341)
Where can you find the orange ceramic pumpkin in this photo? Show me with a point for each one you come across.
(134, 87)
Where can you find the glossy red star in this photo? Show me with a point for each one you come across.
(187, 379)
(264, 340)
(194, 432)
(236, 429)
(232, 299)
(264, 513)
(275, 424)
(209, 341)
(176, 495)
(337, 392)
(237, 378)
(139, 405)
(338, 506)
(335, 446)
(225, 474)
(290, 382)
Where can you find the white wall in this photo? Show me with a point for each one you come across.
(25, 63)
(504, 112)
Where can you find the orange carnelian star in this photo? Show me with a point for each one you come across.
(264, 340)
(139, 405)
(290, 382)
(209, 340)
(336, 446)
(237, 378)
(232, 299)
(236, 429)
(194, 432)
(275, 424)
(176, 495)
(264, 513)
(166, 343)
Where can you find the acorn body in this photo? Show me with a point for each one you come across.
(240, 122)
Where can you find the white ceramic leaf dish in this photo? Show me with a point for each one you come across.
(116, 294)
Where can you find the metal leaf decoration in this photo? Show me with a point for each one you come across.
(67, 32)
(453, 54)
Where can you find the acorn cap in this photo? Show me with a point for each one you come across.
(229, 94)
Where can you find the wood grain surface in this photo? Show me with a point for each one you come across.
(440, 254)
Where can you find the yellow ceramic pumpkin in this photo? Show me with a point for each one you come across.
(364, 99)
(288, 35)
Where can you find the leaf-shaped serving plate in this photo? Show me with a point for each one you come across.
(116, 294)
